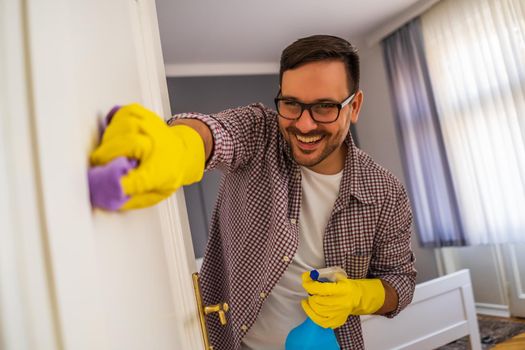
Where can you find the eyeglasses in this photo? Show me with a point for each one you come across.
(321, 112)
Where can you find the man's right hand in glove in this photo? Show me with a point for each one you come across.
(168, 157)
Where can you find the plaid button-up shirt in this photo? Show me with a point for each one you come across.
(254, 229)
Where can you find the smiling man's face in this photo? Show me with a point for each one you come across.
(317, 146)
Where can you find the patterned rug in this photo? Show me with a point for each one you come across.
(492, 331)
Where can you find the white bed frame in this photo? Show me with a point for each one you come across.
(442, 311)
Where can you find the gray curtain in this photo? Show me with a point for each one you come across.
(428, 175)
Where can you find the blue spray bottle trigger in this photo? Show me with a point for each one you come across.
(314, 274)
(308, 335)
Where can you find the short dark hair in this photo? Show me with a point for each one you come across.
(318, 48)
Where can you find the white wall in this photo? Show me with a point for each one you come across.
(377, 136)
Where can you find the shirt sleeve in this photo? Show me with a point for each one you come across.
(237, 134)
(393, 260)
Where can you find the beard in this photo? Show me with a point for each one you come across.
(328, 144)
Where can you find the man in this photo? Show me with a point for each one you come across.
(297, 195)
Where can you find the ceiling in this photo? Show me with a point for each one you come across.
(249, 31)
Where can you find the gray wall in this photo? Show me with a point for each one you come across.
(211, 95)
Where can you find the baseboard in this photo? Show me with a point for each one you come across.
(492, 310)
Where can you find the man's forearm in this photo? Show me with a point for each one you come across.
(391, 300)
(202, 129)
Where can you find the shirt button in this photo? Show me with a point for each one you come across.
(286, 258)
(244, 328)
(293, 221)
(262, 295)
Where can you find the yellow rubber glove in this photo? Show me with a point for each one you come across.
(330, 303)
(169, 157)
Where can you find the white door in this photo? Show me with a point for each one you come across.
(95, 280)
(515, 271)
(498, 276)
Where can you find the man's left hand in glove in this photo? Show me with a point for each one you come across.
(330, 304)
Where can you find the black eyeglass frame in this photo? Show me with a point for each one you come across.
(308, 107)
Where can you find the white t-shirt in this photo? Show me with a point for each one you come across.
(282, 311)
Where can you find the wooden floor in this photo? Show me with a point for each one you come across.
(516, 343)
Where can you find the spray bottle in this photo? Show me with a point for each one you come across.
(308, 335)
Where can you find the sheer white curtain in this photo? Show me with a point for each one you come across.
(432, 194)
(476, 59)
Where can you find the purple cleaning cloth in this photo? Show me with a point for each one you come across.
(111, 114)
(105, 122)
(105, 190)
(104, 183)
